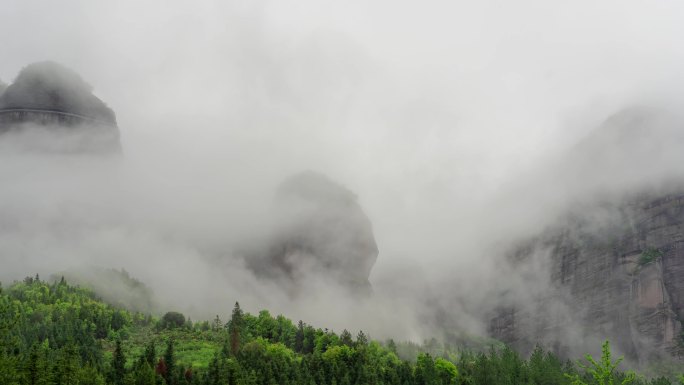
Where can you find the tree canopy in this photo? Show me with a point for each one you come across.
(55, 333)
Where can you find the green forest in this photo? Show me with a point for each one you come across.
(57, 333)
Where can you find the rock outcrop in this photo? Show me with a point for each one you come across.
(620, 281)
(54, 110)
(613, 267)
(322, 234)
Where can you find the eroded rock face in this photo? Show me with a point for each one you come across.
(614, 267)
(322, 234)
(49, 108)
(617, 281)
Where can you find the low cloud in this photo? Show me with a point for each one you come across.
(458, 126)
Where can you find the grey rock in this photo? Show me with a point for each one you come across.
(321, 234)
(614, 265)
(58, 112)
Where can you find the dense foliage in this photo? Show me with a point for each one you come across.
(54, 333)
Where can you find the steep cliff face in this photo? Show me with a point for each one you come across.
(614, 266)
(620, 280)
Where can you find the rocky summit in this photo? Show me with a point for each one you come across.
(322, 234)
(49, 108)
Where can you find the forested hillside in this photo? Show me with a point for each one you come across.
(56, 333)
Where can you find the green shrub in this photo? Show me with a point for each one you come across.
(172, 320)
(649, 255)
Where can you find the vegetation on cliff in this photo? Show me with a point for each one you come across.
(649, 255)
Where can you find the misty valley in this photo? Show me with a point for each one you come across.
(262, 193)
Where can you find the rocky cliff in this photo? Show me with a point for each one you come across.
(321, 235)
(613, 266)
(621, 281)
(49, 107)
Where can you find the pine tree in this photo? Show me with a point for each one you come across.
(309, 339)
(392, 346)
(361, 339)
(8, 370)
(405, 373)
(44, 367)
(234, 329)
(170, 363)
(89, 375)
(425, 373)
(118, 365)
(214, 371)
(346, 338)
(150, 354)
(31, 367)
(217, 325)
(145, 375)
(299, 338)
(67, 366)
(225, 349)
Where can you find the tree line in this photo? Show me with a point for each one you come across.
(56, 333)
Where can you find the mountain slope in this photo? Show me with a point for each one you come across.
(54, 333)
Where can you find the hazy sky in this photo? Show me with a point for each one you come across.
(424, 109)
(453, 90)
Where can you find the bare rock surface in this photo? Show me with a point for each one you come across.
(612, 267)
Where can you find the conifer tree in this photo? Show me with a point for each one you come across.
(118, 365)
(299, 338)
(30, 367)
(361, 339)
(145, 375)
(214, 371)
(425, 373)
(346, 338)
(150, 354)
(234, 329)
(170, 363)
(217, 325)
(67, 366)
(89, 375)
(44, 367)
(392, 346)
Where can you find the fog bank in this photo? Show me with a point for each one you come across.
(452, 123)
